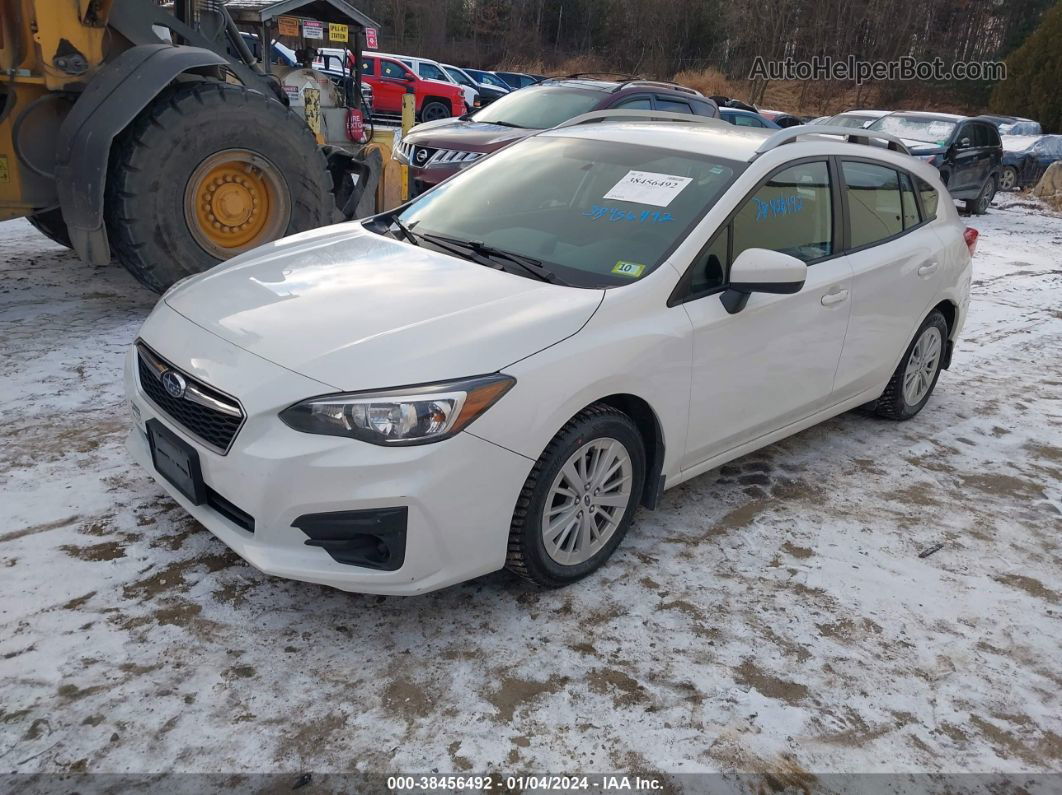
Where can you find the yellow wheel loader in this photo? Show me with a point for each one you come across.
(150, 134)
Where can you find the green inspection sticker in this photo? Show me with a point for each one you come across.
(632, 269)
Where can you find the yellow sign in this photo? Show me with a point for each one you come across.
(631, 269)
(4, 176)
(287, 26)
(337, 32)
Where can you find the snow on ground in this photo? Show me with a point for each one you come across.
(773, 616)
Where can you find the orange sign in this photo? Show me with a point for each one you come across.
(287, 26)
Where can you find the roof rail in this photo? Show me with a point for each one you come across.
(640, 115)
(624, 75)
(850, 134)
(667, 83)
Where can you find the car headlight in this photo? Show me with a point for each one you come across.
(397, 417)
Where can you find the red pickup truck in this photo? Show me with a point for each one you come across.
(390, 78)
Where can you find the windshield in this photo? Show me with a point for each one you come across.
(596, 213)
(459, 76)
(846, 120)
(489, 79)
(916, 128)
(539, 107)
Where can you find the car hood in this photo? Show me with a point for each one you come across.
(356, 310)
(464, 135)
(923, 147)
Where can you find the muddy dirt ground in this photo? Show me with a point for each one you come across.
(773, 616)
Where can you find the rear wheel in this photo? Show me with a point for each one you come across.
(207, 172)
(434, 110)
(979, 206)
(579, 499)
(50, 223)
(916, 376)
(1009, 178)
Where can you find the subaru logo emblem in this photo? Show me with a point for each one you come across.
(173, 383)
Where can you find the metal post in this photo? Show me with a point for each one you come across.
(409, 113)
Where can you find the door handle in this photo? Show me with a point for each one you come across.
(928, 268)
(834, 297)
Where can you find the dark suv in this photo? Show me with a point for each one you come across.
(436, 150)
(965, 150)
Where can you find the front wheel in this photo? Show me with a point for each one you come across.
(1009, 179)
(915, 377)
(579, 500)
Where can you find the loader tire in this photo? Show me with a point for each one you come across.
(207, 171)
(50, 223)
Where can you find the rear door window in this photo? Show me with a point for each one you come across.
(636, 103)
(907, 198)
(929, 198)
(741, 120)
(792, 213)
(874, 205)
(673, 105)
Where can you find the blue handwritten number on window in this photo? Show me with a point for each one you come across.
(616, 214)
(783, 205)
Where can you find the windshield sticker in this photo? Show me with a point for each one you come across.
(783, 205)
(614, 214)
(647, 187)
(631, 269)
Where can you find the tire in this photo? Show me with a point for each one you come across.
(898, 403)
(979, 206)
(598, 428)
(206, 172)
(1009, 179)
(50, 223)
(434, 110)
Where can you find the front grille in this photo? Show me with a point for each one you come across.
(211, 416)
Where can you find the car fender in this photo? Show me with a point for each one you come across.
(622, 350)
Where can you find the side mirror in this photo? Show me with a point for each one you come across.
(964, 143)
(760, 270)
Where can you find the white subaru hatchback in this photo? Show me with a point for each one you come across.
(500, 372)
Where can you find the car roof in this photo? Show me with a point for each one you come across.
(861, 112)
(928, 114)
(719, 139)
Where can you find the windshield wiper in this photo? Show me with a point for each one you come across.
(528, 264)
(508, 124)
(407, 233)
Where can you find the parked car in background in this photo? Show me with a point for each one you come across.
(440, 149)
(965, 150)
(433, 70)
(1026, 158)
(746, 118)
(282, 54)
(781, 118)
(487, 92)
(389, 78)
(488, 78)
(502, 372)
(854, 118)
(1015, 125)
(519, 79)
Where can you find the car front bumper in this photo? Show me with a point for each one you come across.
(458, 494)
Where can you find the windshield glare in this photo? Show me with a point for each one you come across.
(597, 213)
(934, 131)
(539, 107)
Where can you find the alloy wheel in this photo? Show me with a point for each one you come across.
(587, 501)
(922, 366)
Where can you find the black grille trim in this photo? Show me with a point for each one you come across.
(216, 429)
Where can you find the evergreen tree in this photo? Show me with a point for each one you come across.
(1034, 74)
